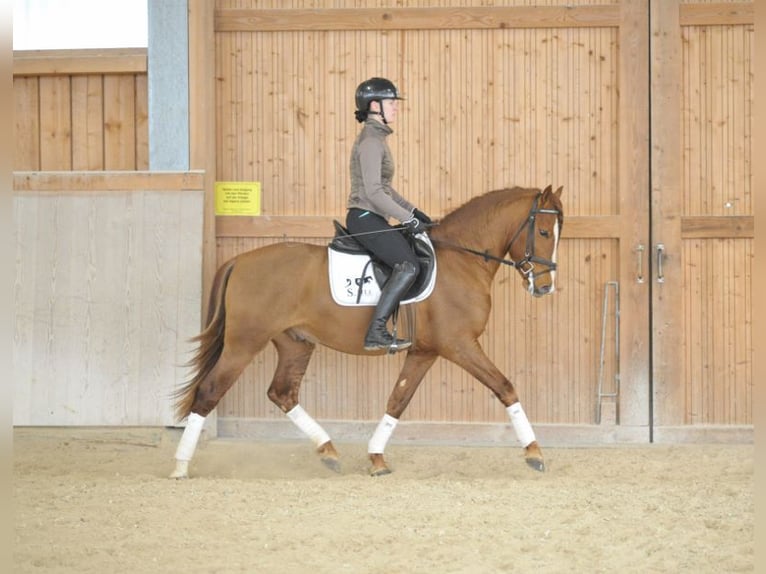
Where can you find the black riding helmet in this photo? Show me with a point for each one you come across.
(372, 90)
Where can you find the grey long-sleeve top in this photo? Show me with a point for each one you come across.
(372, 168)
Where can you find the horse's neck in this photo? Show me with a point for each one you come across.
(490, 229)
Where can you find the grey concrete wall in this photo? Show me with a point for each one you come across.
(168, 63)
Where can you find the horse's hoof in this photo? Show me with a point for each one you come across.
(536, 464)
(329, 456)
(181, 470)
(332, 463)
(383, 471)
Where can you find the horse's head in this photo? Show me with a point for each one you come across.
(534, 245)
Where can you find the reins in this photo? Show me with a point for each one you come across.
(525, 265)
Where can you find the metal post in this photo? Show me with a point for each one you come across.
(615, 393)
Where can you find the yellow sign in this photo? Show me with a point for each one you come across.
(237, 197)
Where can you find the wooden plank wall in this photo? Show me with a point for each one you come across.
(496, 95)
(80, 110)
(486, 107)
(717, 100)
(106, 294)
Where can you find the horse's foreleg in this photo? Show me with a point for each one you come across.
(415, 367)
(294, 356)
(472, 359)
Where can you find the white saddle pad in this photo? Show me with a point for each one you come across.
(348, 271)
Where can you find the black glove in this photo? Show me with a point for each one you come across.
(422, 217)
(411, 226)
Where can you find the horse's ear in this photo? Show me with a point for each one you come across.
(559, 190)
(547, 190)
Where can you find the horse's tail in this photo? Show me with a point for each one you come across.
(210, 342)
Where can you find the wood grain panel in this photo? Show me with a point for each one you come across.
(88, 122)
(550, 127)
(26, 126)
(106, 294)
(81, 110)
(717, 111)
(55, 123)
(462, 18)
(485, 108)
(88, 182)
(666, 188)
(74, 62)
(717, 226)
(718, 349)
(539, 343)
(322, 226)
(142, 122)
(119, 123)
(717, 13)
(717, 223)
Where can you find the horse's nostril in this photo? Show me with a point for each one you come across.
(544, 290)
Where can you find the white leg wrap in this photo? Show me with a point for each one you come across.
(188, 443)
(521, 425)
(380, 438)
(308, 425)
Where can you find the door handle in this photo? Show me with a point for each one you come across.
(660, 260)
(640, 261)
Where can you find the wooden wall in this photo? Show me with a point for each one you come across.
(498, 95)
(486, 106)
(716, 202)
(106, 295)
(107, 285)
(80, 110)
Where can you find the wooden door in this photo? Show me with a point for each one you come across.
(701, 222)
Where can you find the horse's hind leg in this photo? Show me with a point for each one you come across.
(294, 355)
(234, 358)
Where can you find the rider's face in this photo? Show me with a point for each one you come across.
(389, 108)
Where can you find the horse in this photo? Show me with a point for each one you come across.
(280, 294)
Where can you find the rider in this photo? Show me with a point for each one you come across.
(372, 202)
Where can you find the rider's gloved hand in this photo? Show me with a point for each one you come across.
(411, 225)
(422, 217)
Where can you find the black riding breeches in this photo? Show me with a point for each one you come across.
(377, 236)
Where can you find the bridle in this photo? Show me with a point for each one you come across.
(526, 265)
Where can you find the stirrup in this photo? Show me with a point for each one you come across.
(387, 341)
(392, 347)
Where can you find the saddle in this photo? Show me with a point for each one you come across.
(357, 277)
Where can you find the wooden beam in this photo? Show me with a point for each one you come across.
(633, 174)
(73, 62)
(321, 226)
(99, 181)
(702, 227)
(669, 406)
(253, 20)
(202, 129)
(718, 14)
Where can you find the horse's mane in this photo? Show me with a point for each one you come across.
(479, 211)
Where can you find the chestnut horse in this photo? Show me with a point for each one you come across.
(281, 293)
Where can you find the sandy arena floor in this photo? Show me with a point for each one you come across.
(98, 501)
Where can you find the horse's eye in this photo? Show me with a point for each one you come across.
(545, 232)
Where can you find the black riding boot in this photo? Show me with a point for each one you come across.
(395, 288)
